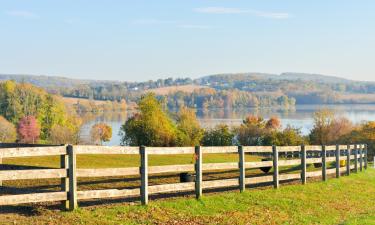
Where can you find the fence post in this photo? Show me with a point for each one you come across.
(366, 163)
(64, 164)
(241, 166)
(324, 163)
(303, 164)
(337, 153)
(356, 158)
(275, 167)
(348, 154)
(361, 157)
(72, 196)
(144, 175)
(198, 172)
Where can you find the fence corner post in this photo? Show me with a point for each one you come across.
(144, 175)
(348, 155)
(324, 163)
(303, 164)
(356, 158)
(275, 157)
(64, 164)
(198, 172)
(337, 153)
(72, 194)
(241, 166)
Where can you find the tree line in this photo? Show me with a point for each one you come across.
(153, 125)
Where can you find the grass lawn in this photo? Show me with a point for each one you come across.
(348, 200)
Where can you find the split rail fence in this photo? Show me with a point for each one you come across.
(355, 157)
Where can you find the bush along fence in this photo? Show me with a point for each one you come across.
(355, 157)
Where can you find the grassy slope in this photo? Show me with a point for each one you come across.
(348, 200)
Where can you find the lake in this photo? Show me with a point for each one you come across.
(299, 116)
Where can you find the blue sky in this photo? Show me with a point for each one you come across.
(142, 40)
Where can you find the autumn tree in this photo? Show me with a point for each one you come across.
(328, 127)
(363, 134)
(251, 131)
(100, 133)
(7, 131)
(19, 100)
(28, 130)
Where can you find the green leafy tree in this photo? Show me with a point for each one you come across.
(151, 126)
(220, 135)
(190, 132)
(290, 136)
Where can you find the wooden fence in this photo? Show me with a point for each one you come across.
(68, 172)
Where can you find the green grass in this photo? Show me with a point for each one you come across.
(348, 200)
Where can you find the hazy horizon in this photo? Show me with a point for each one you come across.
(142, 40)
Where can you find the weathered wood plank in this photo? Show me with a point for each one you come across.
(32, 174)
(289, 148)
(258, 164)
(290, 162)
(330, 147)
(108, 172)
(331, 171)
(219, 166)
(32, 198)
(257, 180)
(314, 174)
(32, 151)
(313, 148)
(169, 150)
(165, 188)
(330, 159)
(289, 176)
(257, 149)
(106, 150)
(219, 149)
(171, 169)
(109, 193)
(313, 160)
(220, 183)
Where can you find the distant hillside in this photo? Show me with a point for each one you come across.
(229, 90)
(173, 89)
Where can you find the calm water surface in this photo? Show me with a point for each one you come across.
(299, 116)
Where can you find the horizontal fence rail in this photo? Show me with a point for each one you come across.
(355, 157)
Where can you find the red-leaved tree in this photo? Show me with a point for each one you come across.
(28, 130)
